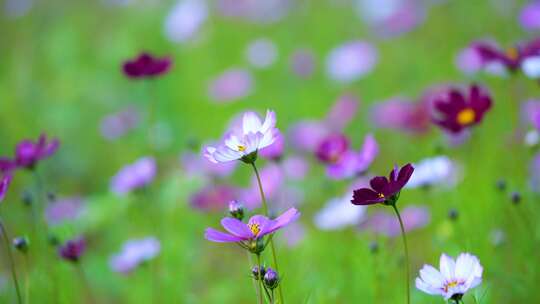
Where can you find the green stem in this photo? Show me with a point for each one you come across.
(11, 261)
(406, 253)
(260, 292)
(254, 280)
(265, 208)
(85, 282)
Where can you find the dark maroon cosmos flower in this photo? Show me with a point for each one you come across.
(72, 250)
(146, 66)
(459, 111)
(384, 190)
(512, 57)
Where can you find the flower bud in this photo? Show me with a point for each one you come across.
(373, 247)
(271, 278)
(21, 243)
(453, 214)
(515, 197)
(256, 273)
(236, 210)
(501, 184)
(27, 198)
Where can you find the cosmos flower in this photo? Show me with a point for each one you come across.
(529, 18)
(134, 253)
(295, 167)
(414, 217)
(185, 20)
(454, 279)
(352, 163)
(350, 61)
(213, 197)
(434, 171)
(384, 190)
(512, 58)
(146, 66)
(29, 153)
(134, 176)
(72, 250)
(242, 143)
(332, 148)
(402, 115)
(461, 110)
(261, 53)
(342, 112)
(4, 185)
(531, 67)
(339, 213)
(257, 227)
(231, 85)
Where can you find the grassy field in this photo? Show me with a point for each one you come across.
(60, 73)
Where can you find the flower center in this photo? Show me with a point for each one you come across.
(241, 148)
(466, 116)
(451, 284)
(512, 53)
(380, 195)
(255, 228)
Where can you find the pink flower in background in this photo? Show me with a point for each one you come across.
(135, 252)
(529, 18)
(134, 176)
(261, 53)
(275, 150)
(302, 63)
(197, 164)
(469, 61)
(231, 85)
(62, 210)
(116, 125)
(272, 179)
(293, 234)
(351, 61)
(295, 167)
(268, 11)
(343, 111)
(185, 20)
(213, 197)
(402, 115)
(390, 18)
(385, 223)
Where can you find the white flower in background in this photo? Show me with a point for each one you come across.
(339, 213)
(454, 279)
(531, 67)
(261, 53)
(350, 61)
(532, 138)
(185, 20)
(246, 139)
(434, 171)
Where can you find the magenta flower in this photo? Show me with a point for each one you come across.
(72, 250)
(459, 111)
(146, 66)
(29, 153)
(4, 185)
(529, 18)
(332, 148)
(384, 190)
(134, 176)
(257, 227)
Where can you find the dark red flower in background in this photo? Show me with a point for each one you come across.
(458, 111)
(510, 58)
(383, 189)
(72, 250)
(146, 66)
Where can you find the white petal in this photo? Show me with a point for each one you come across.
(250, 123)
(269, 122)
(252, 141)
(268, 138)
(209, 154)
(531, 67)
(447, 266)
(423, 286)
(224, 154)
(432, 276)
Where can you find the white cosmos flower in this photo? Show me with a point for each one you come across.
(434, 171)
(243, 140)
(339, 213)
(531, 67)
(454, 279)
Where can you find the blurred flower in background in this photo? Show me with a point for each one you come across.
(28, 153)
(438, 170)
(73, 250)
(302, 62)
(529, 18)
(261, 53)
(195, 164)
(402, 115)
(64, 209)
(385, 223)
(231, 85)
(17, 8)
(146, 66)
(185, 20)
(116, 125)
(350, 61)
(213, 197)
(134, 176)
(134, 253)
(269, 11)
(338, 213)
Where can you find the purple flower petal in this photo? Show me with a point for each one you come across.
(236, 228)
(529, 18)
(365, 196)
(220, 237)
(231, 85)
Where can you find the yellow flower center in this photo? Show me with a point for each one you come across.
(451, 284)
(241, 148)
(512, 53)
(381, 195)
(255, 228)
(466, 116)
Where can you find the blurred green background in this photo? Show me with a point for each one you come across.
(60, 72)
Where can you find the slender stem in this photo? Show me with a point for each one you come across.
(86, 284)
(260, 279)
(265, 208)
(11, 261)
(406, 253)
(26, 280)
(254, 280)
